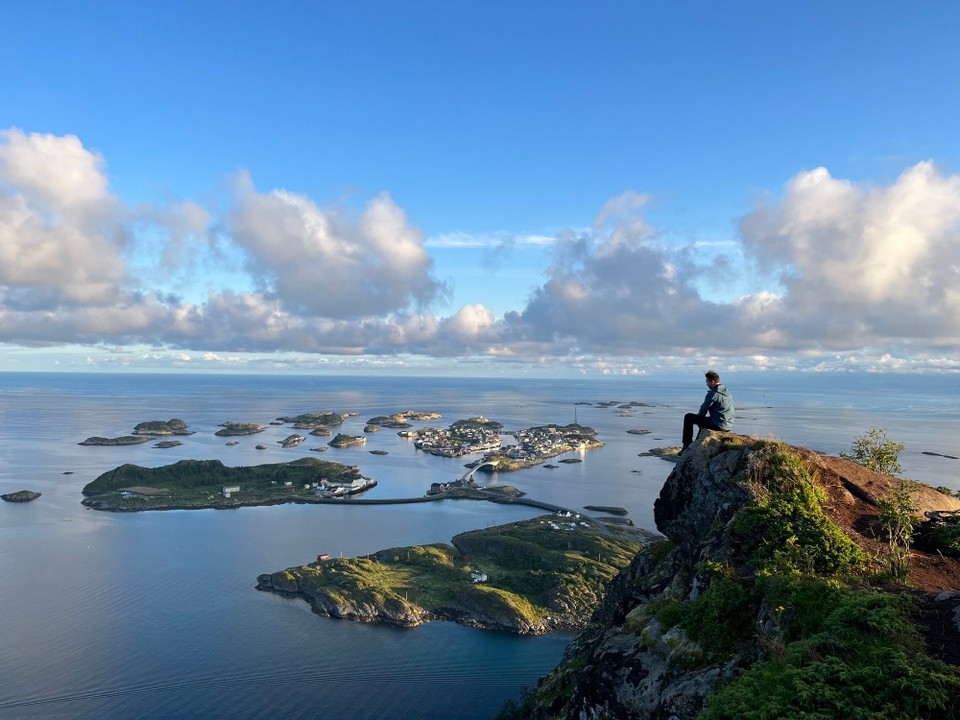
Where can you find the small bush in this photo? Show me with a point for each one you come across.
(722, 619)
(785, 529)
(941, 537)
(875, 451)
(897, 522)
(860, 658)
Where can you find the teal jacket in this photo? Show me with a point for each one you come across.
(718, 404)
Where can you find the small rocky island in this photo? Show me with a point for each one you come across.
(531, 577)
(401, 420)
(306, 421)
(345, 441)
(230, 429)
(190, 484)
(20, 496)
(175, 426)
(143, 432)
(122, 440)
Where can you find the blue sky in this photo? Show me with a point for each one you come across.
(512, 188)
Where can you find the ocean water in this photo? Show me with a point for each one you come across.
(155, 615)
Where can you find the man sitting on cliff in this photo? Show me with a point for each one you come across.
(716, 413)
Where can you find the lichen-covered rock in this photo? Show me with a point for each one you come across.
(627, 665)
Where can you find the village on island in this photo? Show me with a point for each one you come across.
(499, 595)
(198, 484)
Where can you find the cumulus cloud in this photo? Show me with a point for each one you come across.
(850, 266)
(862, 264)
(60, 238)
(330, 264)
(852, 276)
(614, 290)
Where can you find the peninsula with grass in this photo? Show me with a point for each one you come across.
(531, 577)
(197, 484)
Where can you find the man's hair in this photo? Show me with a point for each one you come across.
(712, 376)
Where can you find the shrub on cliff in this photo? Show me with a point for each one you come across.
(784, 528)
(876, 451)
(846, 653)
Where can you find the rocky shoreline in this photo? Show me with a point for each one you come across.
(482, 580)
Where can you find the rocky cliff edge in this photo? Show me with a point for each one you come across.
(770, 598)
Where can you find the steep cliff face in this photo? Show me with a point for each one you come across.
(748, 539)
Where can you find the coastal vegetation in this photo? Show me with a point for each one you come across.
(230, 429)
(343, 440)
(175, 426)
(204, 483)
(774, 599)
(122, 440)
(401, 420)
(314, 420)
(876, 451)
(529, 577)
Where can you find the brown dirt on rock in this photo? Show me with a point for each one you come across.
(853, 490)
(933, 579)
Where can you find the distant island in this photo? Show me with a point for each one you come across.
(192, 484)
(142, 433)
(20, 496)
(307, 421)
(345, 441)
(530, 577)
(229, 429)
(400, 420)
(123, 440)
(175, 426)
(537, 444)
(461, 438)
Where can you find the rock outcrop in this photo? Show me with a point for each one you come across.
(646, 654)
(20, 496)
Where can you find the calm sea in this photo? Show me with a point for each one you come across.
(155, 615)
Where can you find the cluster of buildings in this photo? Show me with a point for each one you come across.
(459, 440)
(540, 442)
(324, 487)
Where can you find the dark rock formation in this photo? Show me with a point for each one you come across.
(232, 428)
(21, 496)
(175, 426)
(632, 662)
(123, 440)
(344, 441)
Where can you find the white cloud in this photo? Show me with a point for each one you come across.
(59, 235)
(496, 240)
(850, 276)
(327, 264)
(861, 264)
(470, 323)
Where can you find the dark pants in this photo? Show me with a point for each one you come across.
(691, 419)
